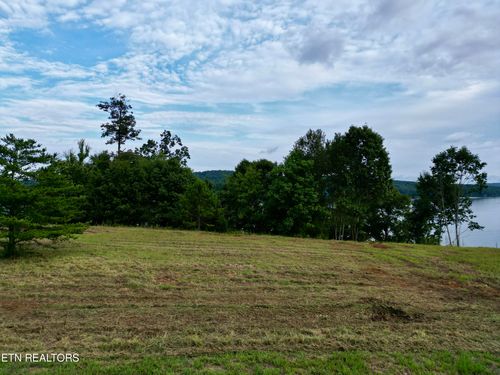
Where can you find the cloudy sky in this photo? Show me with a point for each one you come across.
(243, 79)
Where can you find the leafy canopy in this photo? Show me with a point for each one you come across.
(169, 147)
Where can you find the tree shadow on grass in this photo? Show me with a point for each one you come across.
(38, 249)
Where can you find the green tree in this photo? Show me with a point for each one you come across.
(388, 221)
(121, 126)
(74, 164)
(293, 204)
(149, 149)
(312, 146)
(75, 167)
(244, 196)
(169, 147)
(423, 221)
(201, 207)
(133, 190)
(83, 151)
(359, 181)
(36, 201)
(445, 192)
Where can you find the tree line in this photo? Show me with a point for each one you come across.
(338, 188)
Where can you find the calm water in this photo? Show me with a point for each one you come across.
(487, 211)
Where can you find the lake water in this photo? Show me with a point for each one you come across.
(487, 211)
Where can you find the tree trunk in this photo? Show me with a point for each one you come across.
(198, 215)
(457, 232)
(457, 204)
(449, 235)
(10, 249)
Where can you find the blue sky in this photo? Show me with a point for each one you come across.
(238, 79)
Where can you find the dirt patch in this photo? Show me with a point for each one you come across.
(167, 278)
(379, 245)
(346, 245)
(97, 229)
(486, 291)
(452, 289)
(18, 305)
(380, 276)
(389, 312)
(374, 271)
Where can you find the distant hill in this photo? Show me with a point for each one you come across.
(218, 177)
(406, 187)
(410, 188)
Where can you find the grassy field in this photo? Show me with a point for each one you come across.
(140, 301)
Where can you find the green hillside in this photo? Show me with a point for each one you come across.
(218, 177)
(410, 188)
(152, 301)
(406, 187)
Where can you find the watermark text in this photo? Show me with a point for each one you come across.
(39, 357)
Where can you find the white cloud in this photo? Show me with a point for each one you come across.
(15, 62)
(443, 56)
(23, 83)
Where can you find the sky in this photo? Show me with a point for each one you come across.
(245, 79)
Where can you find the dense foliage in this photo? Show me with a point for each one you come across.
(338, 188)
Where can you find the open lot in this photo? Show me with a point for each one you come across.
(133, 300)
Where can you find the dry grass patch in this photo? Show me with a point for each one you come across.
(130, 292)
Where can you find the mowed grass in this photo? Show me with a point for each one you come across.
(134, 300)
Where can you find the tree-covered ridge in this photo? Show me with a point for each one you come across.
(218, 177)
(215, 177)
(410, 188)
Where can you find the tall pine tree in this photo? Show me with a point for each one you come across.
(121, 126)
(35, 200)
